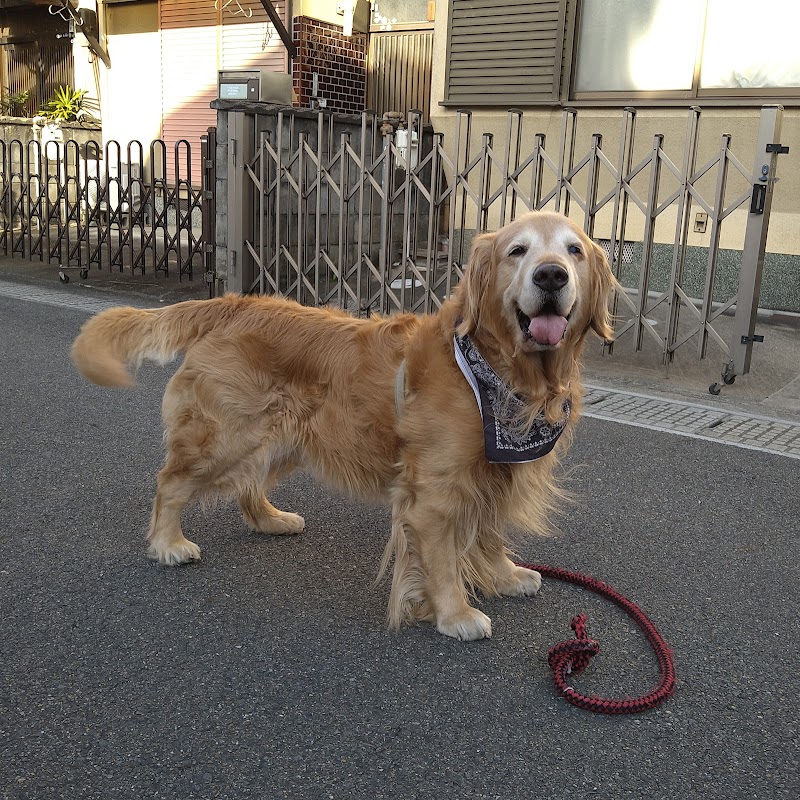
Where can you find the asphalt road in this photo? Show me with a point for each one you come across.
(267, 671)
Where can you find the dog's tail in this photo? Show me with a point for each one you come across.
(115, 340)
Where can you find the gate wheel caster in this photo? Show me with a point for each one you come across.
(63, 277)
(728, 380)
(84, 274)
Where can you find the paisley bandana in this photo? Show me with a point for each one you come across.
(502, 443)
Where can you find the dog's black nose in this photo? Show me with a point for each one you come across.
(550, 277)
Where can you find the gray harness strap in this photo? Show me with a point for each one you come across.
(400, 387)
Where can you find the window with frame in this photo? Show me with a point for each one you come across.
(684, 48)
(545, 52)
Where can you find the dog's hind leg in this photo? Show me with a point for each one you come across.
(190, 469)
(167, 544)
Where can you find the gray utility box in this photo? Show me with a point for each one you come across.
(257, 84)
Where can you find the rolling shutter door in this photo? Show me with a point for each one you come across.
(189, 75)
(253, 42)
(197, 41)
(505, 52)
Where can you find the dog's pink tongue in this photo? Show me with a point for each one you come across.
(548, 328)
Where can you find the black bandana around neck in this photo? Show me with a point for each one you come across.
(502, 443)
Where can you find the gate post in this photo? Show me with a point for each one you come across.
(768, 148)
(241, 200)
(208, 205)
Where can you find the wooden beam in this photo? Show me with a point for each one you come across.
(279, 26)
(97, 49)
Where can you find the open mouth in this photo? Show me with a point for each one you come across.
(547, 328)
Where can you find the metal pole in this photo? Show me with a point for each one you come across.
(240, 203)
(384, 255)
(648, 239)
(682, 221)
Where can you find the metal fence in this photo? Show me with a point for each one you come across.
(107, 206)
(336, 210)
(384, 223)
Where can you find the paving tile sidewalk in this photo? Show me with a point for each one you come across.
(156, 288)
(770, 389)
(710, 423)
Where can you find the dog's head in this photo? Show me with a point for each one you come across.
(539, 282)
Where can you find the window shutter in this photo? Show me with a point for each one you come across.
(505, 52)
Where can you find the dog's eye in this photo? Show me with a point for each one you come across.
(518, 250)
(575, 250)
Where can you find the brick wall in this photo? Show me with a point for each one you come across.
(339, 60)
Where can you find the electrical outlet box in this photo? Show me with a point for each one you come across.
(700, 222)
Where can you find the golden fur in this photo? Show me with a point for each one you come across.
(267, 385)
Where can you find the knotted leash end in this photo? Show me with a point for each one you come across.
(573, 655)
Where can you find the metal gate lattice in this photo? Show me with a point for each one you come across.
(374, 220)
(336, 226)
(106, 207)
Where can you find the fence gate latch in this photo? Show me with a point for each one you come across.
(760, 189)
(754, 338)
(758, 198)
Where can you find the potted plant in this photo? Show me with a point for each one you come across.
(66, 105)
(13, 105)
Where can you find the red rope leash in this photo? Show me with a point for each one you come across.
(573, 655)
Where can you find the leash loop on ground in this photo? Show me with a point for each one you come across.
(573, 655)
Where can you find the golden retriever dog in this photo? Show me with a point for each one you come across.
(381, 408)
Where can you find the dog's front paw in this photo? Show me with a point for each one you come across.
(467, 626)
(278, 523)
(522, 582)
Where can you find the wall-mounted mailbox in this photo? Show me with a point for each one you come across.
(255, 84)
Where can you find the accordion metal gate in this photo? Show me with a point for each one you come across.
(378, 220)
(108, 206)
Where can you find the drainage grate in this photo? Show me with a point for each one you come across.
(738, 429)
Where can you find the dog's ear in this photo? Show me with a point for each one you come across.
(602, 281)
(474, 285)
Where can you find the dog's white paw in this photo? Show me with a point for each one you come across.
(181, 552)
(522, 583)
(282, 523)
(466, 627)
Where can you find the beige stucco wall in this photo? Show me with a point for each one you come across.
(132, 90)
(130, 93)
(741, 123)
(128, 101)
(325, 11)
